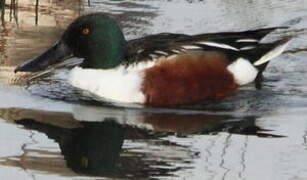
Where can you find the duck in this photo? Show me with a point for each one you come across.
(164, 69)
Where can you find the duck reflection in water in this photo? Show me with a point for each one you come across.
(92, 149)
(95, 147)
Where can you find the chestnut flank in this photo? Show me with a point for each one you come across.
(187, 78)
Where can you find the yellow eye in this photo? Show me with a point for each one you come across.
(86, 31)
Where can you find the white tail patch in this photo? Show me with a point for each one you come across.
(243, 71)
(271, 54)
(219, 45)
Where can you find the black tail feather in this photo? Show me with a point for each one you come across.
(251, 34)
(262, 49)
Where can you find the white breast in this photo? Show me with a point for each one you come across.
(119, 85)
(243, 71)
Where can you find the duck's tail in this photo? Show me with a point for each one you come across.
(265, 52)
(262, 55)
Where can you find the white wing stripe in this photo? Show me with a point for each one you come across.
(191, 47)
(153, 56)
(247, 40)
(161, 52)
(176, 51)
(271, 54)
(247, 48)
(219, 45)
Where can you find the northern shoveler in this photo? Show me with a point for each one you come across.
(158, 70)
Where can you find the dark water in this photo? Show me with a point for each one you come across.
(254, 134)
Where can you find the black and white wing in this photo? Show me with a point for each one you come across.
(234, 44)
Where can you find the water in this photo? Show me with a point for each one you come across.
(254, 134)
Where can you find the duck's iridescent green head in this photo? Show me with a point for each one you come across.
(95, 37)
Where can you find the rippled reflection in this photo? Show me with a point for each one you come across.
(102, 141)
